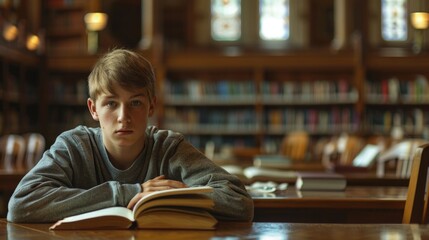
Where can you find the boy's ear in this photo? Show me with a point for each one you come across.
(152, 107)
(92, 109)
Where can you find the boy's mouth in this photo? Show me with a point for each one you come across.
(124, 131)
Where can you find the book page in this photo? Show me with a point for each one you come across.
(188, 200)
(170, 192)
(113, 217)
(112, 211)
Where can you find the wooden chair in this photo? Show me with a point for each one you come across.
(13, 152)
(417, 199)
(295, 145)
(352, 146)
(401, 155)
(35, 146)
(341, 150)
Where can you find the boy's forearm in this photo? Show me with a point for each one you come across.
(49, 204)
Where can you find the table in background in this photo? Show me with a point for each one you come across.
(229, 230)
(365, 204)
(8, 182)
(353, 179)
(10, 179)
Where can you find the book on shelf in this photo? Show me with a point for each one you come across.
(322, 181)
(181, 208)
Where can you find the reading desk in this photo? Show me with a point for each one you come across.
(10, 179)
(357, 204)
(8, 182)
(376, 204)
(256, 230)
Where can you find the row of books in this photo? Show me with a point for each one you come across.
(12, 118)
(275, 120)
(72, 21)
(395, 90)
(18, 90)
(68, 118)
(279, 120)
(411, 120)
(310, 90)
(70, 91)
(234, 118)
(65, 3)
(221, 141)
(195, 89)
(272, 90)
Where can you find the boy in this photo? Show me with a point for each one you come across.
(123, 159)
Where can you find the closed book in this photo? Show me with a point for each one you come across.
(271, 161)
(253, 174)
(320, 181)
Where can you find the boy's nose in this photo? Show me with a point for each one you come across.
(123, 115)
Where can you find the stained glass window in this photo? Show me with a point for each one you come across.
(394, 16)
(274, 19)
(226, 20)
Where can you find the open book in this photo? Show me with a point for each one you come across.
(181, 208)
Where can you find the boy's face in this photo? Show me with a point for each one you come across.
(123, 117)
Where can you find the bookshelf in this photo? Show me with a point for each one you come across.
(253, 99)
(66, 105)
(20, 86)
(65, 27)
(211, 105)
(397, 90)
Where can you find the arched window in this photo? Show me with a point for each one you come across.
(274, 19)
(273, 23)
(226, 20)
(394, 24)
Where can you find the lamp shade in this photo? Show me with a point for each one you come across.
(33, 42)
(10, 32)
(95, 21)
(420, 20)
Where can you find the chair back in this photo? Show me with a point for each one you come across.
(295, 145)
(417, 199)
(403, 153)
(341, 150)
(13, 148)
(35, 146)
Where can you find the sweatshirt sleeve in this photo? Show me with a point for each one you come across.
(232, 202)
(64, 184)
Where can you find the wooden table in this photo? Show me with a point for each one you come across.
(8, 182)
(256, 230)
(354, 205)
(353, 179)
(358, 204)
(10, 179)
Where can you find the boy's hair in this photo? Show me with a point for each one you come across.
(127, 68)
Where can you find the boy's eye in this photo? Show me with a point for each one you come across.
(111, 104)
(136, 103)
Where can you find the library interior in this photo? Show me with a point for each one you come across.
(278, 93)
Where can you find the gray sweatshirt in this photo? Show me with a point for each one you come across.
(75, 176)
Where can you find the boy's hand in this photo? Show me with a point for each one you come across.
(156, 184)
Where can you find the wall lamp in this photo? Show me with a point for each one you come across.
(420, 22)
(95, 22)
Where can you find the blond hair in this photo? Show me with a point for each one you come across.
(127, 68)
